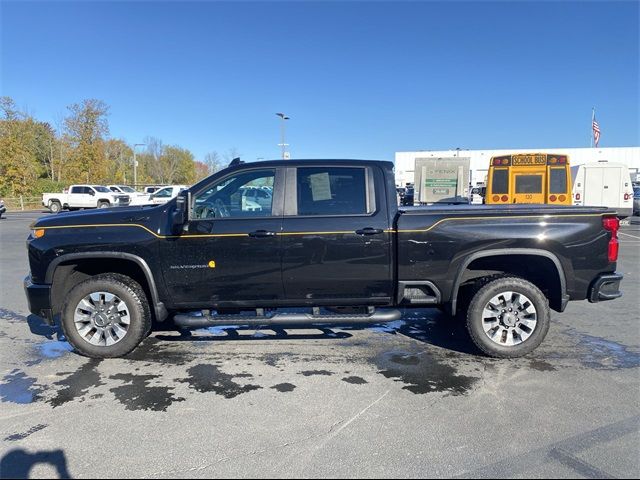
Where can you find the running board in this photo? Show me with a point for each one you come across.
(201, 321)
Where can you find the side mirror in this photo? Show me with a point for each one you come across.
(92, 193)
(180, 215)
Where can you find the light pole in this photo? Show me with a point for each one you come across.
(282, 135)
(135, 164)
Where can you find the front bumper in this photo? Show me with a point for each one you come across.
(606, 287)
(39, 299)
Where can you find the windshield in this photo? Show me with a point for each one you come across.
(100, 188)
(124, 188)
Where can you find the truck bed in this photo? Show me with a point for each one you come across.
(444, 244)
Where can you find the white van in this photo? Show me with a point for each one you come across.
(603, 184)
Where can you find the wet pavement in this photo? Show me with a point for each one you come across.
(407, 399)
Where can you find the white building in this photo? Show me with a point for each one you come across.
(405, 161)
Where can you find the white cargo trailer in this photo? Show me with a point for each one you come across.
(603, 184)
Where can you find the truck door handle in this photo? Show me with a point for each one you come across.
(369, 231)
(262, 234)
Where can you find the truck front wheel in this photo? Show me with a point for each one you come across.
(508, 317)
(106, 316)
(103, 204)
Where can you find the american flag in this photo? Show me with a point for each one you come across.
(596, 130)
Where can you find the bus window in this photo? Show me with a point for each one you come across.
(528, 183)
(558, 180)
(500, 181)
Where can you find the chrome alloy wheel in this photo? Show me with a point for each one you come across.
(509, 318)
(102, 319)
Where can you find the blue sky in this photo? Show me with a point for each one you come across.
(359, 80)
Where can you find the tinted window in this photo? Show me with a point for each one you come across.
(100, 188)
(77, 190)
(331, 191)
(500, 181)
(113, 189)
(235, 197)
(558, 180)
(528, 183)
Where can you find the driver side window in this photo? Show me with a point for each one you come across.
(234, 197)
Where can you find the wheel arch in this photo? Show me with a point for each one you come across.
(555, 281)
(68, 270)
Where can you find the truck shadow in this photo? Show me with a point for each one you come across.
(431, 328)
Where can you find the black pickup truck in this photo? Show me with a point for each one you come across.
(326, 235)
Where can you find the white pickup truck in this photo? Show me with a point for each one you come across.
(83, 196)
(165, 194)
(135, 198)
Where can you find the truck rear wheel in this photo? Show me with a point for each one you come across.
(106, 316)
(55, 207)
(508, 317)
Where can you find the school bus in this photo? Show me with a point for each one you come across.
(529, 178)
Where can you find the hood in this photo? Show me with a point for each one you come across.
(134, 214)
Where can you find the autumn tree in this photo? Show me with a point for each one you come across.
(86, 128)
(178, 165)
(19, 168)
(201, 170)
(119, 157)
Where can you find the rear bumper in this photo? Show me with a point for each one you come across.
(39, 299)
(606, 287)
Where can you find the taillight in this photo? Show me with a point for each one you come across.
(562, 198)
(496, 198)
(504, 198)
(612, 224)
(553, 198)
(577, 196)
(626, 197)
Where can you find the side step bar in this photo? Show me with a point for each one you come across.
(201, 321)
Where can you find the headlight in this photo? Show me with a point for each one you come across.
(38, 232)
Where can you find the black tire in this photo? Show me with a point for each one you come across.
(487, 290)
(103, 204)
(138, 306)
(55, 207)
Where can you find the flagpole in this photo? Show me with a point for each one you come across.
(593, 117)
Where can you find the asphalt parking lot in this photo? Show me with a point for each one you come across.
(407, 399)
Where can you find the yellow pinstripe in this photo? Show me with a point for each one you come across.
(390, 230)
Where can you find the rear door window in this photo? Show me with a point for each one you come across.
(500, 181)
(528, 183)
(331, 191)
(558, 180)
